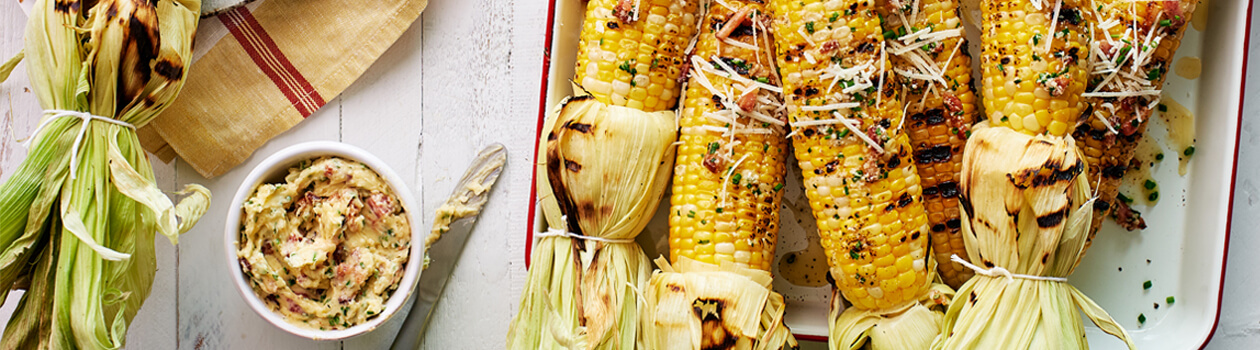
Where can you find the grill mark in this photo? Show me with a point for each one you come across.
(1052, 219)
(948, 189)
(579, 127)
(572, 165)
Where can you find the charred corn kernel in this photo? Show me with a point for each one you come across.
(1109, 134)
(832, 55)
(743, 156)
(1027, 45)
(631, 52)
(941, 114)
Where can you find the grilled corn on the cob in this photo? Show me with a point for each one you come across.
(929, 53)
(1035, 64)
(1133, 47)
(1026, 205)
(728, 183)
(632, 52)
(858, 171)
(581, 291)
(728, 178)
(1027, 211)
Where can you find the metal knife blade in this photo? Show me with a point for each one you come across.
(451, 227)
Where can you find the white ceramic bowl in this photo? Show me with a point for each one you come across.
(272, 170)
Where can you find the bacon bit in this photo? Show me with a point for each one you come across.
(1107, 48)
(1057, 86)
(874, 133)
(733, 23)
(1109, 140)
(829, 46)
(1127, 217)
(952, 102)
(713, 162)
(895, 5)
(306, 203)
(380, 205)
(1127, 128)
(870, 168)
(293, 306)
(1171, 9)
(328, 172)
(349, 271)
(624, 11)
(245, 263)
(749, 100)
(353, 208)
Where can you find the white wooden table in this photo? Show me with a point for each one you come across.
(464, 76)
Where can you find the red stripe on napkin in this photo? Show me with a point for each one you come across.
(267, 56)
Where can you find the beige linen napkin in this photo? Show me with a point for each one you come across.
(281, 61)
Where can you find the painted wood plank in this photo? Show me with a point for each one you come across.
(480, 87)
(381, 113)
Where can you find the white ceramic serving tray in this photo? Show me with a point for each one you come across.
(1188, 228)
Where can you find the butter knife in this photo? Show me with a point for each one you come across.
(452, 225)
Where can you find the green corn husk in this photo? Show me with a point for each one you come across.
(1026, 209)
(604, 172)
(78, 218)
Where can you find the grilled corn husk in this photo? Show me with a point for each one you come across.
(580, 294)
(78, 217)
(1026, 209)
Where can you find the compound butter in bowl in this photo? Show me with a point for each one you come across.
(321, 236)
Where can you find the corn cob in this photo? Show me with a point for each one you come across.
(1125, 89)
(728, 183)
(728, 178)
(1027, 207)
(858, 171)
(930, 55)
(1035, 64)
(632, 52)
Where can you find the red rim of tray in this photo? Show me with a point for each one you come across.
(1233, 181)
(542, 116)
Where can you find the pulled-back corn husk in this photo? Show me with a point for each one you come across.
(910, 326)
(1025, 209)
(78, 218)
(696, 305)
(602, 173)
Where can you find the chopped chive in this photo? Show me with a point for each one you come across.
(778, 187)
(1124, 198)
(1150, 185)
(1142, 318)
(691, 214)
(1159, 156)
(719, 210)
(1153, 196)
(1170, 300)
(735, 178)
(1189, 151)
(1146, 285)
(1162, 107)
